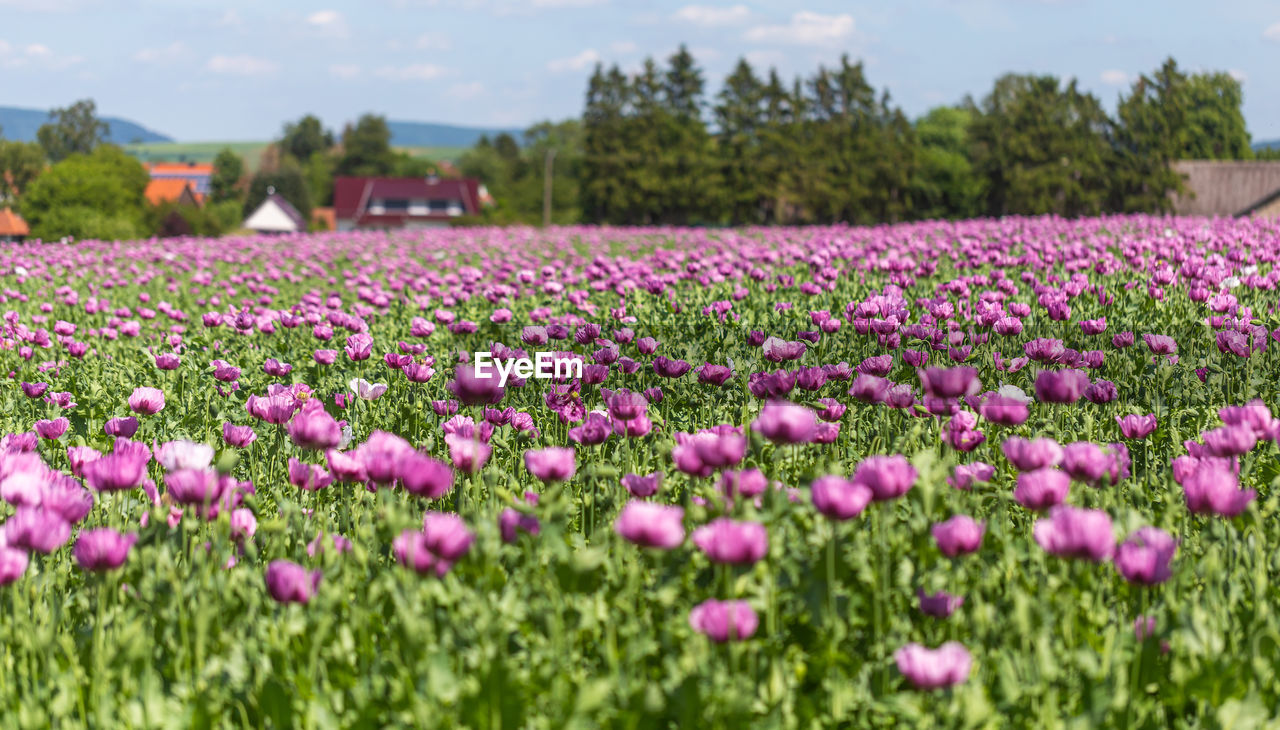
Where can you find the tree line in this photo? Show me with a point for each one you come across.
(652, 148)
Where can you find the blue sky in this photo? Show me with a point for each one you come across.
(201, 70)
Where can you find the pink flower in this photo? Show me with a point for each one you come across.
(1030, 455)
(359, 346)
(102, 549)
(1213, 489)
(964, 475)
(723, 621)
(839, 498)
(938, 605)
(1144, 557)
(424, 476)
(649, 524)
(786, 423)
(928, 669)
(313, 428)
(289, 582)
(468, 455)
(52, 429)
(1072, 532)
(726, 541)
(554, 464)
(146, 401)
(125, 427)
(888, 477)
(1137, 427)
(959, 535)
(1042, 488)
(512, 522)
(472, 389)
(238, 436)
(950, 382)
(446, 535)
(643, 486)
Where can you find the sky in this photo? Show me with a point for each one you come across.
(231, 70)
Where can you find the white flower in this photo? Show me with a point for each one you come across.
(1013, 392)
(347, 436)
(366, 390)
(176, 455)
(1231, 282)
(20, 270)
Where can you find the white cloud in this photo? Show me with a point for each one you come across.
(582, 61)
(325, 17)
(470, 90)
(344, 71)
(623, 47)
(1238, 75)
(710, 15)
(229, 19)
(433, 42)
(328, 23)
(567, 3)
(241, 65)
(34, 55)
(806, 28)
(1115, 77)
(166, 54)
(1272, 33)
(412, 72)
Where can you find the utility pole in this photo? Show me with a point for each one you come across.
(546, 189)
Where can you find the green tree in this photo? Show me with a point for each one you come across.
(305, 137)
(287, 180)
(1170, 116)
(73, 130)
(228, 169)
(1042, 147)
(607, 191)
(739, 117)
(366, 148)
(98, 195)
(20, 164)
(945, 184)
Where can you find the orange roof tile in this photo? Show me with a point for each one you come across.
(11, 224)
(163, 190)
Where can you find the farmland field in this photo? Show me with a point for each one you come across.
(978, 474)
(250, 152)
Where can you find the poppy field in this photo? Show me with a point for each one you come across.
(977, 474)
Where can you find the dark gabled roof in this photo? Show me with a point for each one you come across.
(1226, 187)
(351, 195)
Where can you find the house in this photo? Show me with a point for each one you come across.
(324, 219)
(1229, 188)
(12, 227)
(172, 190)
(404, 202)
(198, 175)
(275, 215)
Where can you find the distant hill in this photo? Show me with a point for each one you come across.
(21, 124)
(427, 134)
(1267, 144)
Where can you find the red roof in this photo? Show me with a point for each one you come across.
(161, 190)
(11, 224)
(352, 196)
